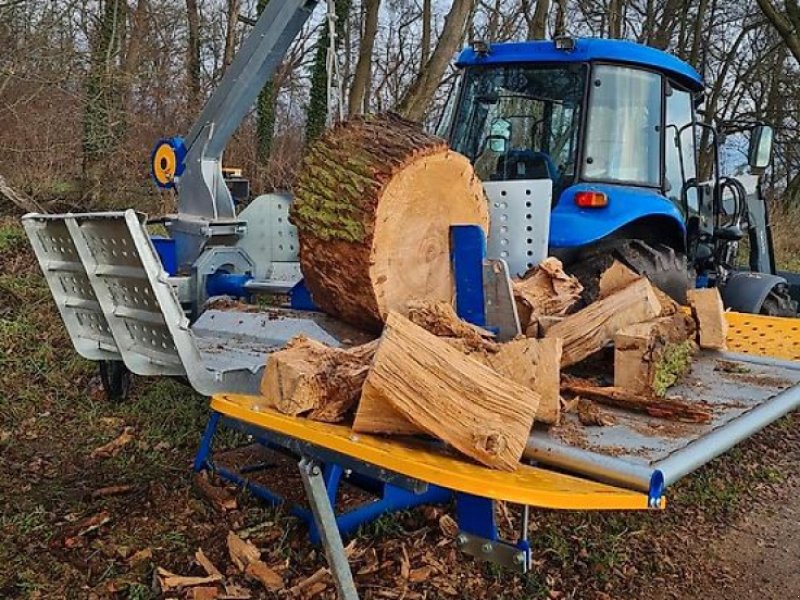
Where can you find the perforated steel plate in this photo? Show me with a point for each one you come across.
(519, 228)
(69, 284)
(777, 337)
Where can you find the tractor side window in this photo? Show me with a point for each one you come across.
(520, 122)
(679, 149)
(623, 141)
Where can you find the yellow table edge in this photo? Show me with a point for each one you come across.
(527, 485)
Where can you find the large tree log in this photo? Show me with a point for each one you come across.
(451, 396)
(374, 203)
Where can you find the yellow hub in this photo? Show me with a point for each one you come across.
(164, 164)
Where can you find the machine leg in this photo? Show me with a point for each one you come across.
(321, 508)
(203, 452)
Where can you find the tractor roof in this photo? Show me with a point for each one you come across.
(586, 50)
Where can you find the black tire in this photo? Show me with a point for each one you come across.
(666, 268)
(116, 379)
(779, 303)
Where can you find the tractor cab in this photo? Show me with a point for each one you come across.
(581, 142)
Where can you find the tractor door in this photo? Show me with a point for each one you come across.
(519, 126)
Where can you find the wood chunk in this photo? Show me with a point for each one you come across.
(534, 364)
(242, 552)
(441, 319)
(618, 276)
(371, 237)
(375, 414)
(545, 290)
(545, 322)
(205, 593)
(709, 314)
(269, 578)
(452, 396)
(169, 581)
(591, 328)
(113, 447)
(649, 357)
(219, 497)
(664, 408)
(529, 362)
(206, 563)
(310, 377)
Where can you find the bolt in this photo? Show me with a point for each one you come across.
(315, 470)
(461, 540)
(486, 548)
(519, 558)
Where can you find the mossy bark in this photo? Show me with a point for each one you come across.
(337, 195)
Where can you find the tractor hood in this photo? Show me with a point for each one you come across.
(572, 226)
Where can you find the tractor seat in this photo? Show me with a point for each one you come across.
(525, 164)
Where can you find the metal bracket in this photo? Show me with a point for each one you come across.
(321, 508)
(500, 553)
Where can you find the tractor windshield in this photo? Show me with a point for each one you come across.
(520, 122)
(623, 137)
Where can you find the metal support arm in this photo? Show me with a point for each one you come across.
(201, 189)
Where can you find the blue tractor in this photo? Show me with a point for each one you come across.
(590, 151)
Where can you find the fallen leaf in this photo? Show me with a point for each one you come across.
(168, 581)
(113, 447)
(421, 574)
(268, 578)
(204, 562)
(141, 556)
(448, 526)
(242, 553)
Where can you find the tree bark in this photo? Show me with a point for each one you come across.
(537, 24)
(417, 98)
(193, 54)
(427, 18)
(230, 34)
(786, 24)
(356, 101)
(374, 203)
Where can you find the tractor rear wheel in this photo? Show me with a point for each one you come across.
(779, 303)
(666, 268)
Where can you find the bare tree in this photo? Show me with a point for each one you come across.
(193, 53)
(417, 98)
(230, 33)
(786, 23)
(357, 99)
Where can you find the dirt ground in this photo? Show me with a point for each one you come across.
(731, 529)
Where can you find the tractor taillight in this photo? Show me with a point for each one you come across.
(591, 199)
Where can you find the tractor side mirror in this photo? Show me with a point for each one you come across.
(760, 151)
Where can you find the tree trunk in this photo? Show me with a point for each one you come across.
(427, 18)
(537, 25)
(265, 113)
(363, 71)
(616, 10)
(417, 98)
(374, 203)
(230, 34)
(193, 54)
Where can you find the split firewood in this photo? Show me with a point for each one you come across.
(202, 560)
(310, 377)
(665, 408)
(219, 497)
(653, 356)
(371, 236)
(529, 362)
(441, 319)
(451, 396)
(247, 559)
(707, 309)
(545, 290)
(618, 276)
(591, 328)
(169, 582)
